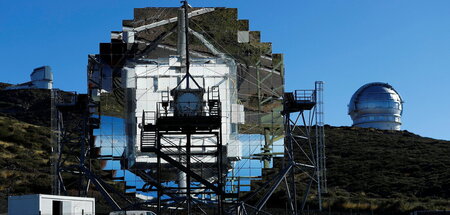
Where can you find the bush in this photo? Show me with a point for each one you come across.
(12, 149)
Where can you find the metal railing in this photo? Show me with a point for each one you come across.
(213, 93)
(62, 98)
(148, 117)
(305, 95)
(188, 109)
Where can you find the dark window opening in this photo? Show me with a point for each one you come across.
(57, 208)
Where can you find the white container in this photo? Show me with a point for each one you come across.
(40, 204)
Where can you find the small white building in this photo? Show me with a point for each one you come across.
(41, 78)
(41, 204)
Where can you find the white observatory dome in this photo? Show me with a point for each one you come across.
(376, 105)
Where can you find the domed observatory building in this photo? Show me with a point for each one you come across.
(376, 105)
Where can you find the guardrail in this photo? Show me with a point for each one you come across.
(189, 109)
(305, 95)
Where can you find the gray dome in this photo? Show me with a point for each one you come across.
(376, 105)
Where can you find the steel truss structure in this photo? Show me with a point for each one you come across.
(259, 85)
(69, 126)
(259, 82)
(73, 148)
(155, 138)
(180, 119)
(304, 152)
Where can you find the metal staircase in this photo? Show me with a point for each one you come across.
(214, 101)
(148, 140)
(149, 135)
(149, 131)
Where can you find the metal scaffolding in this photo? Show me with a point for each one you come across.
(304, 152)
(167, 174)
(74, 151)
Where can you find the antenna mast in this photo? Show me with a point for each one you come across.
(186, 32)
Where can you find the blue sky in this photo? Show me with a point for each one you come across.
(345, 43)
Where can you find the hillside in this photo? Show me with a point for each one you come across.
(393, 170)
(380, 172)
(388, 163)
(31, 106)
(25, 145)
(24, 159)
